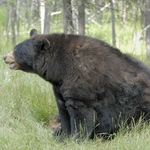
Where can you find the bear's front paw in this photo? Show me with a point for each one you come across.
(59, 135)
(57, 131)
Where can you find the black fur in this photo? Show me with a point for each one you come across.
(95, 85)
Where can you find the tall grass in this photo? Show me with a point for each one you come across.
(27, 104)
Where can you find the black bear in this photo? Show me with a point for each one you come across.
(95, 85)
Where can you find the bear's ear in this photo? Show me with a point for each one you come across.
(42, 44)
(33, 32)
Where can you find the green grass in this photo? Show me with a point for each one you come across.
(27, 104)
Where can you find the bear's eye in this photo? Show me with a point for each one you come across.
(42, 47)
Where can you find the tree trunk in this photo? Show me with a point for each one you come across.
(99, 4)
(45, 16)
(13, 21)
(47, 20)
(147, 25)
(113, 23)
(67, 17)
(42, 14)
(7, 19)
(27, 25)
(142, 10)
(17, 18)
(35, 7)
(81, 17)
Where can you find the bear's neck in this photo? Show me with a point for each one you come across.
(57, 61)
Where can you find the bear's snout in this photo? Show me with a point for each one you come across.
(5, 57)
(9, 59)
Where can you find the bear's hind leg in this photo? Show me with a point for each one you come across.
(82, 119)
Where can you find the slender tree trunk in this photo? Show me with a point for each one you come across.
(42, 14)
(35, 7)
(99, 4)
(74, 6)
(142, 10)
(13, 21)
(7, 19)
(67, 17)
(147, 25)
(32, 11)
(17, 17)
(113, 23)
(47, 20)
(45, 16)
(123, 11)
(27, 25)
(135, 12)
(81, 17)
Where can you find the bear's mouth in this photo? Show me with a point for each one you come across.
(13, 66)
(9, 59)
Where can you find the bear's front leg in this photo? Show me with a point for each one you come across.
(64, 116)
(63, 131)
(82, 119)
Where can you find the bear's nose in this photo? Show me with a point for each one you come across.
(4, 57)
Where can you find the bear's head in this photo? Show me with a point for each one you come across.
(26, 53)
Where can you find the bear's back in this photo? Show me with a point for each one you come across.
(92, 57)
